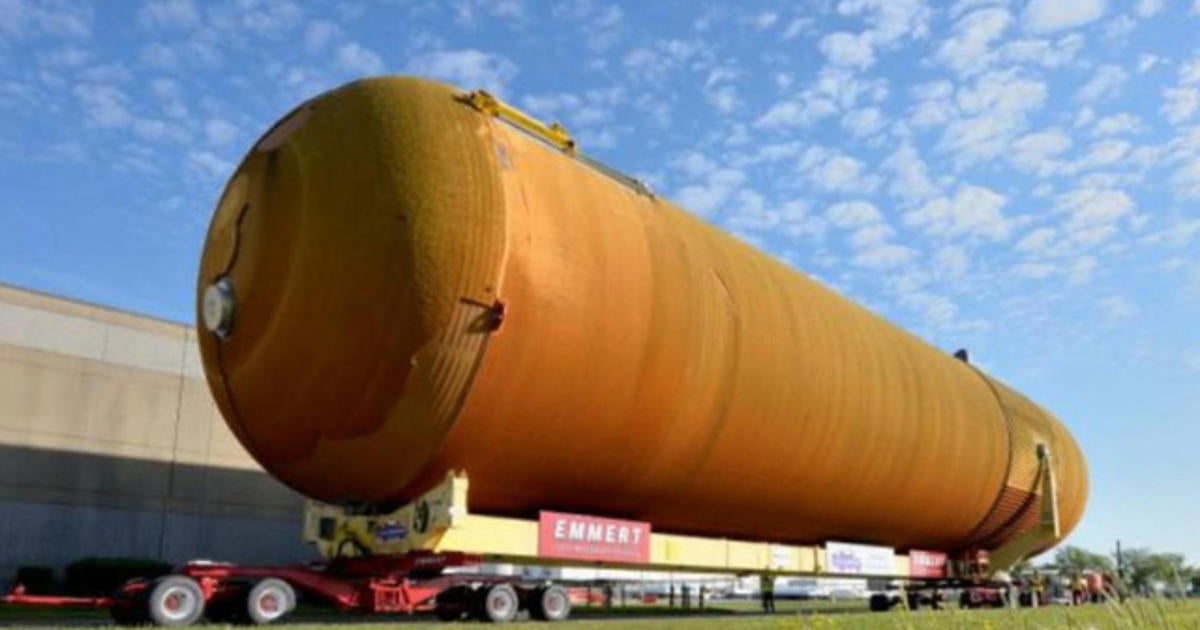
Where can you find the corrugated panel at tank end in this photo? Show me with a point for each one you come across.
(1018, 506)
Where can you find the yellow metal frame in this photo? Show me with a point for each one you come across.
(439, 521)
(553, 134)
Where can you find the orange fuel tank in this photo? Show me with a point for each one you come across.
(401, 285)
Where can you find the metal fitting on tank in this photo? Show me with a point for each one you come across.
(216, 310)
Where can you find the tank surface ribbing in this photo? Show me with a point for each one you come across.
(647, 365)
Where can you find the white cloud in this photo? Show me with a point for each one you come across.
(66, 57)
(265, 18)
(848, 49)
(890, 20)
(1039, 241)
(933, 104)
(103, 105)
(468, 68)
(1117, 124)
(357, 59)
(319, 34)
(169, 14)
(1038, 152)
(1106, 83)
(1093, 214)
(834, 90)
(209, 165)
(1102, 153)
(750, 212)
(601, 25)
(884, 256)
(973, 211)
(853, 214)
(653, 64)
(796, 27)
(951, 262)
(842, 173)
(158, 55)
(220, 132)
(21, 20)
(938, 311)
(719, 92)
(1181, 103)
(761, 21)
(989, 115)
(863, 122)
(1044, 16)
(1118, 308)
(1048, 54)
(710, 187)
(967, 47)
(1080, 271)
(469, 12)
(1147, 8)
(1177, 235)
(1186, 180)
(869, 235)
(909, 175)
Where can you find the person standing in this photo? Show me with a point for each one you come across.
(766, 586)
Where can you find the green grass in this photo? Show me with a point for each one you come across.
(1139, 615)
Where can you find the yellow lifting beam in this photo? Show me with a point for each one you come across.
(438, 521)
(553, 134)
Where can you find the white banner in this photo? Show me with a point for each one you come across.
(850, 559)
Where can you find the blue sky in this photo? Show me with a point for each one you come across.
(1019, 178)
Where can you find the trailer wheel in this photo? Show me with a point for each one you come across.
(454, 604)
(130, 612)
(500, 603)
(550, 604)
(175, 601)
(270, 600)
(881, 602)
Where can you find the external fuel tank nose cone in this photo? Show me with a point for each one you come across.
(217, 308)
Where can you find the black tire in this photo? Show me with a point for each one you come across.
(175, 601)
(500, 603)
(880, 602)
(130, 613)
(454, 604)
(269, 600)
(227, 609)
(550, 604)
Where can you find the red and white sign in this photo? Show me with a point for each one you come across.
(926, 564)
(578, 537)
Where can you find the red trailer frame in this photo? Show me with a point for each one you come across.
(414, 582)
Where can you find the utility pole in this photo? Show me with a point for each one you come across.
(1120, 563)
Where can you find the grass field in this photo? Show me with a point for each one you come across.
(1142, 615)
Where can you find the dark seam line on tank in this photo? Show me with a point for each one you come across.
(975, 536)
(469, 382)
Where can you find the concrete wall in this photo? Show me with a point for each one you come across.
(110, 445)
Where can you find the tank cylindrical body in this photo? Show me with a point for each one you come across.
(414, 287)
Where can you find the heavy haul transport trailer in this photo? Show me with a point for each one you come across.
(414, 559)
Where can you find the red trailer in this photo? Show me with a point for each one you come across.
(414, 582)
